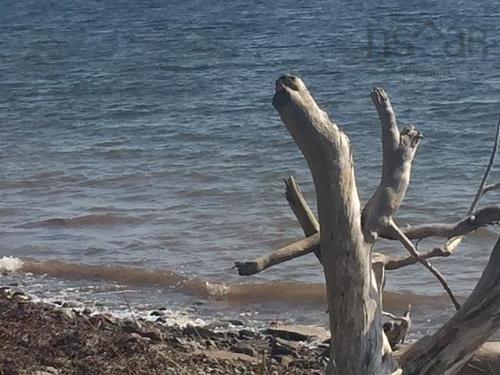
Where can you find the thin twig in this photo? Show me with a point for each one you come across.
(409, 246)
(480, 189)
(453, 243)
(137, 324)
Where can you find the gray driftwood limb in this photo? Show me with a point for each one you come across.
(488, 215)
(302, 211)
(300, 208)
(283, 254)
(413, 251)
(451, 245)
(453, 345)
(491, 187)
(353, 298)
(482, 184)
(392, 263)
(398, 150)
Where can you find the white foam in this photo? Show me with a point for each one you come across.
(178, 318)
(10, 264)
(216, 290)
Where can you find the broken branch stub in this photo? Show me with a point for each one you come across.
(302, 211)
(346, 255)
(283, 254)
(300, 208)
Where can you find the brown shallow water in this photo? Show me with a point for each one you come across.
(199, 299)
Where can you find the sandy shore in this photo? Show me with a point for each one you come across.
(56, 338)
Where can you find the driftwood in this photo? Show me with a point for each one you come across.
(300, 208)
(396, 332)
(354, 302)
(354, 274)
(413, 251)
(451, 347)
(488, 215)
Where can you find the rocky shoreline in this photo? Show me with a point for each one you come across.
(57, 338)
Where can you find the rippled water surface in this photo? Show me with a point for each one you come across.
(141, 134)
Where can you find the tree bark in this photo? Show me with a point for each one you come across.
(353, 298)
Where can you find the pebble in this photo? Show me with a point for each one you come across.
(67, 313)
(154, 335)
(20, 296)
(246, 334)
(235, 322)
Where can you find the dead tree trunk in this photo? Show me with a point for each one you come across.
(353, 298)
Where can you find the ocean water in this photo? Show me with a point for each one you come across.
(140, 152)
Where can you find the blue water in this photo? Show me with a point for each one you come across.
(142, 133)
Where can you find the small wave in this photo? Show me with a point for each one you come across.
(239, 293)
(10, 264)
(106, 219)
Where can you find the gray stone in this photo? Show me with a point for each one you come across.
(299, 332)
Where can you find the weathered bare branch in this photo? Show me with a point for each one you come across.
(397, 263)
(452, 346)
(453, 243)
(480, 189)
(398, 151)
(413, 251)
(302, 211)
(292, 251)
(491, 187)
(353, 299)
(486, 216)
(307, 246)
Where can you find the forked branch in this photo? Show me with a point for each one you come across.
(398, 152)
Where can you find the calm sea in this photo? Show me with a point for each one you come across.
(140, 135)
